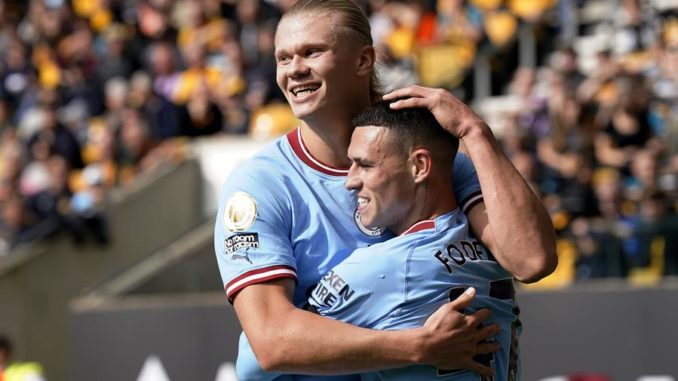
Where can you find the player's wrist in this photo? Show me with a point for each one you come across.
(402, 347)
(418, 345)
(476, 130)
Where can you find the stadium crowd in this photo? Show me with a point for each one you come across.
(96, 92)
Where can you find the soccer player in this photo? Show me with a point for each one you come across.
(285, 218)
(400, 172)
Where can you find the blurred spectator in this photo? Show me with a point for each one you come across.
(644, 175)
(135, 146)
(55, 138)
(14, 223)
(16, 371)
(16, 74)
(565, 63)
(87, 219)
(162, 59)
(458, 22)
(599, 87)
(599, 251)
(533, 115)
(626, 127)
(633, 29)
(251, 17)
(115, 99)
(656, 233)
(114, 62)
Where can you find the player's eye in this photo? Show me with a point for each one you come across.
(313, 52)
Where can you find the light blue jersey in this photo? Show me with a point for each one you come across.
(284, 214)
(398, 284)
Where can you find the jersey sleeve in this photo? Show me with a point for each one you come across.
(465, 183)
(251, 232)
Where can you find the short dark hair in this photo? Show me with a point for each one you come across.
(412, 127)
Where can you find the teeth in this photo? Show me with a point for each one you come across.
(362, 201)
(304, 90)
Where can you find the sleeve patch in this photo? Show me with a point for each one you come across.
(240, 211)
(240, 241)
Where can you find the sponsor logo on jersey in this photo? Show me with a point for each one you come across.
(374, 232)
(240, 211)
(332, 288)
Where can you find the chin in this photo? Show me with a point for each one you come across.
(370, 224)
(303, 111)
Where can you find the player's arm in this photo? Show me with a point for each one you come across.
(258, 267)
(511, 221)
(290, 340)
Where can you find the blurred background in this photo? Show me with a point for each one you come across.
(120, 119)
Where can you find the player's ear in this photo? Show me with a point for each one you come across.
(421, 164)
(366, 60)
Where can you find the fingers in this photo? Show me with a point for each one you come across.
(483, 349)
(406, 92)
(413, 102)
(464, 300)
(413, 96)
(479, 316)
(481, 369)
(487, 348)
(488, 332)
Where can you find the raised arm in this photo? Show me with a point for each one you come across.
(290, 340)
(511, 221)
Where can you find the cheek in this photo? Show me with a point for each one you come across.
(333, 70)
(280, 79)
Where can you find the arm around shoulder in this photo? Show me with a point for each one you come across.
(511, 221)
(290, 340)
(520, 233)
(287, 339)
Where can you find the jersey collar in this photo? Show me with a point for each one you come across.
(421, 225)
(302, 152)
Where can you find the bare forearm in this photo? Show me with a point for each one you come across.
(286, 339)
(521, 227)
(311, 344)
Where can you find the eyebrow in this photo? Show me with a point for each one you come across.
(362, 160)
(304, 46)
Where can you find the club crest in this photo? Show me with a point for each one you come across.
(375, 232)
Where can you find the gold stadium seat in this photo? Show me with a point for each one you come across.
(444, 65)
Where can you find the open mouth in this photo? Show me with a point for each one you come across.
(362, 202)
(303, 91)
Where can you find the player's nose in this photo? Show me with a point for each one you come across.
(298, 67)
(352, 180)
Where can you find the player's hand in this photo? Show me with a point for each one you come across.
(452, 339)
(455, 117)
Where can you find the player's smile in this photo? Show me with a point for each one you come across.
(362, 204)
(379, 176)
(303, 92)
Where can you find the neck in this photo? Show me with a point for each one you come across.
(433, 198)
(328, 144)
(327, 138)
